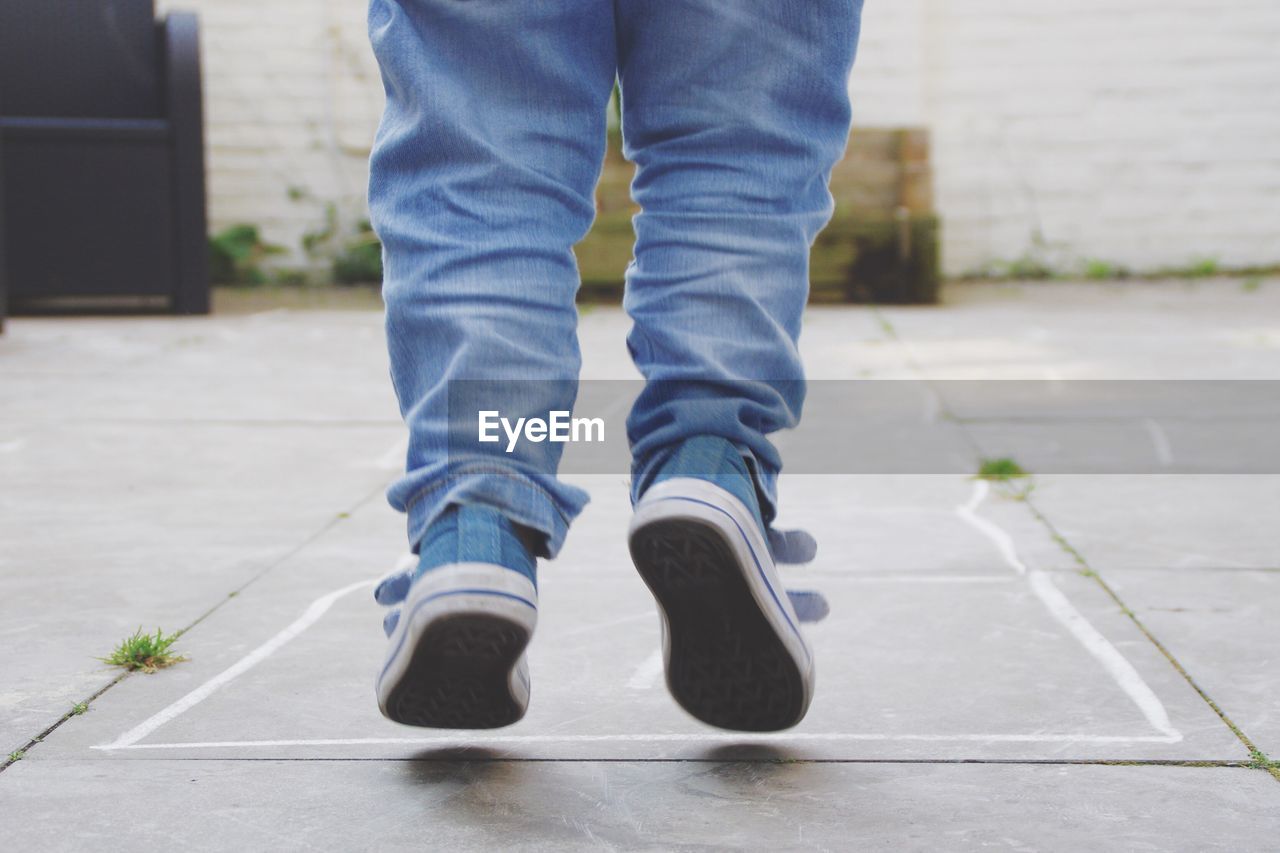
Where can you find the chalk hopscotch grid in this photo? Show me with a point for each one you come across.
(1041, 584)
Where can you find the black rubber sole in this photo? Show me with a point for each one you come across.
(728, 667)
(458, 675)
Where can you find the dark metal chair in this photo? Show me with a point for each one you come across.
(102, 198)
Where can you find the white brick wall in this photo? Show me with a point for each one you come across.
(292, 97)
(1139, 132)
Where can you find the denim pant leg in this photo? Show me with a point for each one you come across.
(735, 113)
(482, 178)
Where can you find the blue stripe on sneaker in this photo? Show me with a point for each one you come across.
(430, 598)
(759, 568)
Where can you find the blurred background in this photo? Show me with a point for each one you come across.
(1093, 138)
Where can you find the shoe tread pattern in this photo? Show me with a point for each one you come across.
(727, 665)
(458, 677)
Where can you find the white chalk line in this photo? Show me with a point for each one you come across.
(913, 579)
(312, 615)
(468, 740)
(647, 673)
(1002, 540)
(1116, 665)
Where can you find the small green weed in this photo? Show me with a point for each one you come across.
(360, 261)
(17, 755)
(1095, 269)
(1260, 761)
(1098, 270)
(1000, 470)
(1027, 267)
(236, 253)
(145, 652)
(318, 243)
(289, 277)
(1010, 479)
(79, 708)
(1251, 285)
(1202, 268)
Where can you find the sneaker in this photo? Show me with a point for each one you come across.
(734, 654)
(456, 655)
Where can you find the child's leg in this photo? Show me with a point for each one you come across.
(482, 178)
(735, 113)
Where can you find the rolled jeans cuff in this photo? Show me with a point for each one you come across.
(543, 504)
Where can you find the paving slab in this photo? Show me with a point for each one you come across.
(276, 366)
(852, 342)
(151, 466)
(1210, 329)
(1221, 625)
(961, 629)
(1166, 521)
(290, 342)
(706, 804)
(112, 528)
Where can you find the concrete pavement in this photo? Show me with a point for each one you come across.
(1087, 667)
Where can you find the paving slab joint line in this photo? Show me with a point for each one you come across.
(37, 739)
(460, 756)
(1110, 658)
(1126, 677)
(312, 614)
(1259, 759)
(290, 554)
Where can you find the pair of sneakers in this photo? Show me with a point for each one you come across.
(733, 651)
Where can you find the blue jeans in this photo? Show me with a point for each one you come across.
(482, 179)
